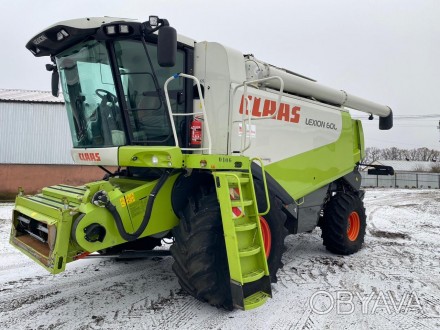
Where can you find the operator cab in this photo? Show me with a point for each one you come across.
(112, 76)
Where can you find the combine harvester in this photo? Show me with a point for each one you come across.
(218, 150)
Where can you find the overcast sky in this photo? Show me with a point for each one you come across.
(387, 51)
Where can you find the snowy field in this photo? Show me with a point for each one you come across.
(392, 283)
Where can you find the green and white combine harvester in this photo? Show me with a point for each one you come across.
(218, 150)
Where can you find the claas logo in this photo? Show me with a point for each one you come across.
(90, 156)
(264, 107)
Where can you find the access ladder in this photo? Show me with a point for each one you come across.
(250, 280)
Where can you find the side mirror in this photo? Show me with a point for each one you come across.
(55, 83)
(55, 79)
(167, 46)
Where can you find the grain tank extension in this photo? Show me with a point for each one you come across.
(223, 153)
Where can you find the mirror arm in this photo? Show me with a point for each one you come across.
(148, 29)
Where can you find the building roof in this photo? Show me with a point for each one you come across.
(18, 95)
(406, 166)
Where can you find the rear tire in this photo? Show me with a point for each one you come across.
(199, 251)
(344, 223)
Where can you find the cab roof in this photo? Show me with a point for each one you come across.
(65, 34)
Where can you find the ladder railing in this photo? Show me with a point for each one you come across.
(199, 115)
(246, 120)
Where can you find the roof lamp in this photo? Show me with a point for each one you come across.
(124, 29)
(62, 34)
(154, 21)
(110, 29)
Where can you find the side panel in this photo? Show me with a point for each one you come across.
(306, 172)
(358, 141)
(306, 146)
(299, 125)
(217, 66)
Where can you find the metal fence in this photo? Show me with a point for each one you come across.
(402, 180)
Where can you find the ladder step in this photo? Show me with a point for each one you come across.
(237, 203)
(246, 226)
(255, 300)
(233, 181)
(249, 251)
(252, 276)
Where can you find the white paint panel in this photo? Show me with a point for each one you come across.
(216, 66)
(299, 126)
(95, 156)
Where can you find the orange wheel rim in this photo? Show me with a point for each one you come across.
(354, 225)
(267, 236)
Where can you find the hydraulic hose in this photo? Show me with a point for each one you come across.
(114, 212)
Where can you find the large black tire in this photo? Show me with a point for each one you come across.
(200, 260)
(344, 223)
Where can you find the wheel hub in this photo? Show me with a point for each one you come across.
(353, 227)
(267, 236)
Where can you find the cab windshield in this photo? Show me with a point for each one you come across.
(97, 117)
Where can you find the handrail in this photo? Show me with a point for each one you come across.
(248, 111)
(200, 113)
(266, 190)
(239, 194)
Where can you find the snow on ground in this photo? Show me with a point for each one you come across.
(392, 283)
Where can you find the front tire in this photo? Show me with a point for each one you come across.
(199, 251)
(200, 261)
(344, 223)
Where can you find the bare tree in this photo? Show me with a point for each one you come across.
(411, 154)
(371, 155)
(392, 153)
(421, 154)
(426, 154)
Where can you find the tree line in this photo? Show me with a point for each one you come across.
(420, 154)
